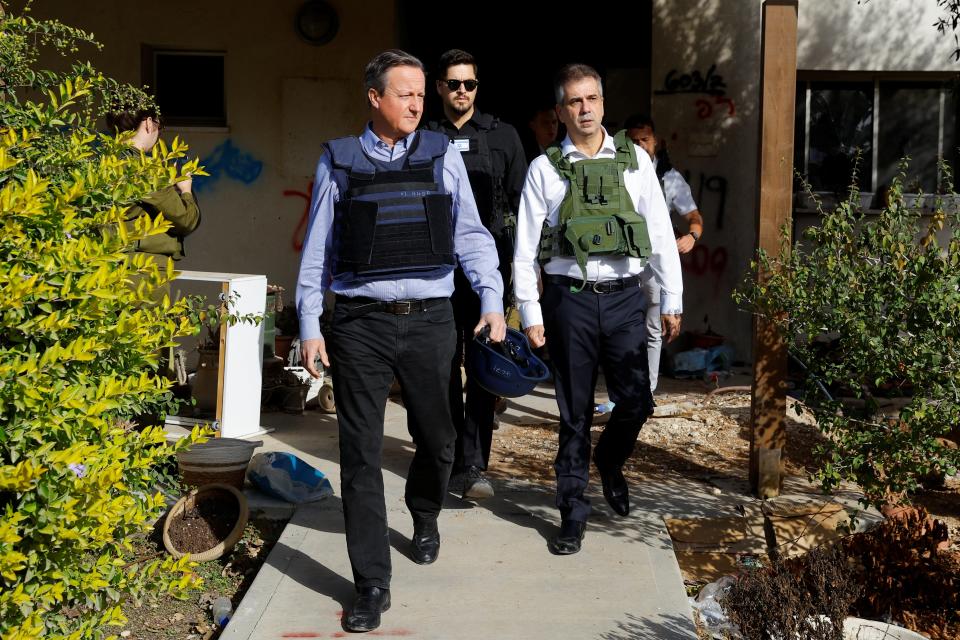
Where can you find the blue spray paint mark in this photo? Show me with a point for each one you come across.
(227, 160)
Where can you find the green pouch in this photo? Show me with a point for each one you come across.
(594, 235)
(637, 239)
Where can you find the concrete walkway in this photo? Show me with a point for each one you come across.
(495, 577)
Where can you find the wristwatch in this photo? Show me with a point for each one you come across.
(696, 236)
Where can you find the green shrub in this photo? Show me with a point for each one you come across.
(871, 305)
(82, 323)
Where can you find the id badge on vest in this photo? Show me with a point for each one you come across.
(464, 145)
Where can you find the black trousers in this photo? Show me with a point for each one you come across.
(473, 417)
(367, 352)
(584, 331)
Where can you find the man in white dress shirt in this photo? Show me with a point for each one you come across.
(593, 215)
(680, 201)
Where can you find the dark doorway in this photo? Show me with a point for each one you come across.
(519, 47)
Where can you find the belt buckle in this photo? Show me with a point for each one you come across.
(597, 283)
(400, 308)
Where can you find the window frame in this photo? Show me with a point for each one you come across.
(148, 59)
(808, 78)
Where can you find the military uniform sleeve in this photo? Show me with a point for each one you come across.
(179, 209)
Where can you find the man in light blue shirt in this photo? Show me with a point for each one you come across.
(392, 214)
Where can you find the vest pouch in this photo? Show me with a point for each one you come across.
(358, 224)
(637, 239)
(594, 234)
(439, 211)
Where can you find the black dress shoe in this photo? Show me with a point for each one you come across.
(425, 546)
(615, 490)
(365, 615)
(570, 536)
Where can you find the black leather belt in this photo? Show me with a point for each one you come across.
(603, 286)
(359, 306)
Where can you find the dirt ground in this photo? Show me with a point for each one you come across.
(190, 619)
(693, 434)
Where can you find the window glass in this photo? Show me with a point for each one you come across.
(841, 122)
(909, 126)
(189, 88)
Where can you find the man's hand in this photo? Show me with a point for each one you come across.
(309, 349)
(670, 327)
(535, 336)
(685, 243)
(185, 185)
(498, 327)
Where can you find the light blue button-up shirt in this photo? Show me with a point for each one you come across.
(472, 243)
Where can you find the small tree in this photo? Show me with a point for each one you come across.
(82, 323)
(871, 304)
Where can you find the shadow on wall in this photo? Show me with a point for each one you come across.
(705, 76)
(845, 36)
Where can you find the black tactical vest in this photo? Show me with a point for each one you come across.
(394, 219)
(486, 183)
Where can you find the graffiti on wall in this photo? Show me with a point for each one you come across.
(704, 260)
(709, 83)
(300, 231)
(711, 195)
(720, 105)
(228, 161)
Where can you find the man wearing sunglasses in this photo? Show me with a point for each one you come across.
(496, 164)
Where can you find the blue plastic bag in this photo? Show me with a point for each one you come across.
(701, 362)
(285, 476)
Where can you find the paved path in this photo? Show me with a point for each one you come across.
(495, 578)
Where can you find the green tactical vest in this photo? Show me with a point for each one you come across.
(597, 217)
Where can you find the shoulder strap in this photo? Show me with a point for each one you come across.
(626, 151)
(427, 146)
(347, 154)
(561, 164)
(487, 122)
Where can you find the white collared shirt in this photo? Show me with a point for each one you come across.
(544, 191)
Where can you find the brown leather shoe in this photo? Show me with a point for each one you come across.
(365, 614)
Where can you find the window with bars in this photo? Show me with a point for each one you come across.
(883, 120)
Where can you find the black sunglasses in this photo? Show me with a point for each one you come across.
(469, 85)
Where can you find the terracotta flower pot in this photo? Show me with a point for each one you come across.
(191, 500)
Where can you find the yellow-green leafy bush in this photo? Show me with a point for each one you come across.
(82, 323)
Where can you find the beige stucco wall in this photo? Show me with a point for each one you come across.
(715, 141)
(283, 98)
(876, 35)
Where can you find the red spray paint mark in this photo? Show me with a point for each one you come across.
(301, 229)
(705, 107)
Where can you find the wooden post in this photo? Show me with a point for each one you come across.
(777, 90)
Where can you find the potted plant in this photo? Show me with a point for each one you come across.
(206, 523)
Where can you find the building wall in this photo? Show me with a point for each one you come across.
(283, 98)
(715, 138)
(877, 35)
(712, 138)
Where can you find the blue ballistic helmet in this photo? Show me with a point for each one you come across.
(507, 368)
